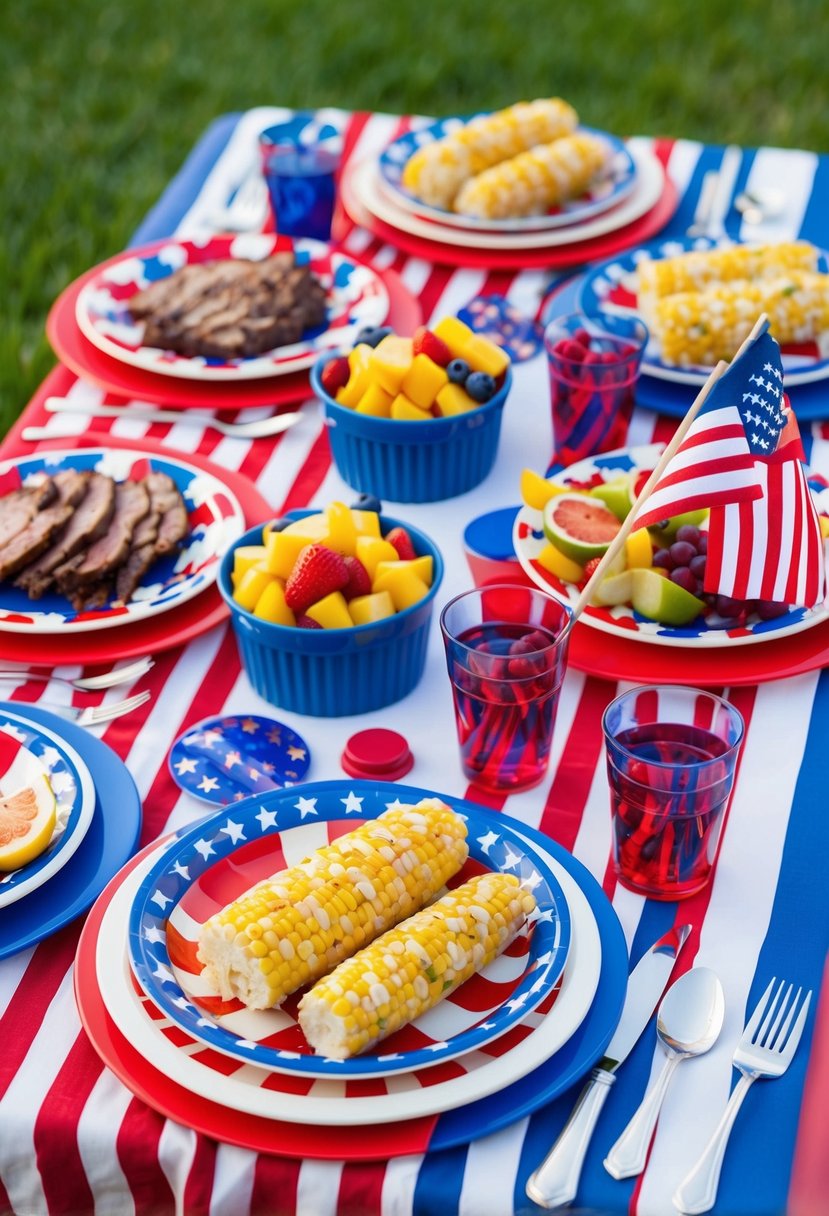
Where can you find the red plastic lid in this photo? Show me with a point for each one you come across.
(378, 753)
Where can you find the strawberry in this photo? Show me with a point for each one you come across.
(317, 572)
(589, 568)
(359, 582)
(335, 375)
(427, 343)
(307, 622)
(402, 542)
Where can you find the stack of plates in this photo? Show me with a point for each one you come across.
(630, 203)
(98, 818)
(92, 331)
(505, 1043)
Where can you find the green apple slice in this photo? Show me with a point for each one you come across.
(579, 526)
(615, 494)
(616, 589)
(657, 598)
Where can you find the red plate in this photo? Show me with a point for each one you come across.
(520, 259)
(172, 628)
(365, 1143)
(78, 353)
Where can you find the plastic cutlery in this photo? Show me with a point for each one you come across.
(262, 428)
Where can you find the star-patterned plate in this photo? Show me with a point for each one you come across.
(209, 868)
(612, 287)
(28, 753)
(621, 620)
(224, 760)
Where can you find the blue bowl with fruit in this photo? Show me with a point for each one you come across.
(332, 609)
(415, 419)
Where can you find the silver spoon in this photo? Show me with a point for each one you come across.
(689, 1022)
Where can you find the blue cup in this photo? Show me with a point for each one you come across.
(301, 180)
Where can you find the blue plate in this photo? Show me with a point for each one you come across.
(492, 843)
(223, 760)
(615, 183)
(74, 795)
(110, 841)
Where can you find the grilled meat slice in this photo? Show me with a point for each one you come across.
(169, 527)
(19, 507)
(132, 503)
(89, 521)
(31, 541)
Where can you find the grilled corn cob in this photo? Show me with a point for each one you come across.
(436, 172)
(297, 925)
(535, 180)
(694, 271)
(704, 326)
(412, 967)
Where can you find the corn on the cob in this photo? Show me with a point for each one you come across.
(704, 326)
(436, 172)
(695, 270)
(536, 180)
(412, 967)
(297, 925)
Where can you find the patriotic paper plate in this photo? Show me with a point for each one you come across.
(611, 286)
(216, 520)
(622, 620)
(28, 754)
(221, 858)
(536, 1059)
(356, 297)
(364, 181)
(223, 760)
(615, 183)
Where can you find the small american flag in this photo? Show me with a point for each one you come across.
(742, 458)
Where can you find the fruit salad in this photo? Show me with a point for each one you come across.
(438, 373)
(659, 573)
(333, 570)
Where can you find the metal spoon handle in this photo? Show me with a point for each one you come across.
(627, 1157)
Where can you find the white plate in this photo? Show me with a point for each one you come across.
(326, 1104)
(362, 183)
(621, 620)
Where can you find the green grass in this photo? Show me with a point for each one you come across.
(103, 100)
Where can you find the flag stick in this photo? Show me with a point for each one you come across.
(627, 524)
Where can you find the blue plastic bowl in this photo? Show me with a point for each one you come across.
(330, 673)
(412, 461)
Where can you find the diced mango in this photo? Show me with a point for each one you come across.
(557, 563)
(342, 532)
(313, 527)
(536, 491)
(421, 566)
(405, 410)
(639, 550)
(455, 334)
(423, 381)
(485, 356)
(823, 520)
(360, 378)
(367, 523)
(403, 585)
(364, 609)
(390, 361)
(452, 399)
(271, 605)
(372, 550)
(250, 586)
(375, 401)
(245, 557)
(331, 612)
(283, 548)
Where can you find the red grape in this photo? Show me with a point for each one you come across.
(682, 552)
(702, 543)
(662, 558)
(767, 610)
(688, 533)
(683, 577)
(697, 565)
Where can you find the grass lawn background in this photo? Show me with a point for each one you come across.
(103, 100)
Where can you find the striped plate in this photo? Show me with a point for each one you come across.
(218, 860)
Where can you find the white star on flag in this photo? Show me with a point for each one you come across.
(486, 842)
(181, 1002)
(211, 736)
(153, 935)
(184, 871)
(208, 784)
(163, 973)
(187, 764)
(204, 847)
(352, 803)
(266, 818)
(234, 830)
(530, 881)
(517, 1002)
(512, 859)
(50, 756)
(435, 1046)
(397, 805)
(158, 897)
(307, 806)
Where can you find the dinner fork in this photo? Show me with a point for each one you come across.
(94, 715)
(766, 1048)
(110, 679)
(261, 428)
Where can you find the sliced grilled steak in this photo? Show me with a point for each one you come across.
(89, 521)
(31, 541)
(132, 502)
(170, 525)
(18, 508)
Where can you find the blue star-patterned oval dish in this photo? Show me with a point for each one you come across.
(224, 760)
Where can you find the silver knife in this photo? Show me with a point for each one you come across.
(556, 1180)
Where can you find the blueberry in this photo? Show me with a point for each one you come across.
(279, 525)
(374, 335)
(480, 386)
(458, 370)
(367, 502)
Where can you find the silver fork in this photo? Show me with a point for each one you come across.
(262, 428)
(110, 679)
(96, 714)
(766, 1048)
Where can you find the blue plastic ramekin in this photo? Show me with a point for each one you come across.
(412, 461)
(329, 673)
